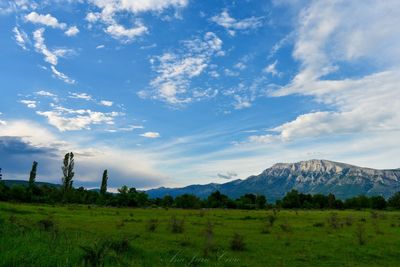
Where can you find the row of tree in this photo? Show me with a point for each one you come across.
(130, 197)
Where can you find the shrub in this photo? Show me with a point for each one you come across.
(333, 221)
(46, 224)
(319, 224)
(271, 219)
(349, 220)
(360, 234)
(152, 225)
(177, 225)
(285, 227)
(237, 243)
(94, 255)
(209, 239)
(121, 245)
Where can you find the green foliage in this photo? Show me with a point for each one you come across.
(103, 187)
(177, 225)
(187, 201)
(68, 172)
(237, 243)
(152, 225)
(32, 175)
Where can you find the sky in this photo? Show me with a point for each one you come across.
(178, 92)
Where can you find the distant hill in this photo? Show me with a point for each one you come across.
(11, 183)
(312, 176)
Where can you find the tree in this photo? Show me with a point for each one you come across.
(1, 175)
(261, 202)
(291, 200)
(103, 188)
(32, 175)
(68, 171)
(378, 202)
(394, 201)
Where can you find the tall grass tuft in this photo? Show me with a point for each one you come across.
(360, 234)
(152, 225)
(94, 256)
(177, 225)
(237, 243)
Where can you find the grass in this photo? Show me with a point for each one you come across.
(75, 235)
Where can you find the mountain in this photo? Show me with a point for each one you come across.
(11, 183)
(312, 176)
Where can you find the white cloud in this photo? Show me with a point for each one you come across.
(175, 71)
(126, 35)
(61, 76)
(47, 20)
(84, 96)
(45, 93)
(21, 38)
(65, 119)
(151, 135)
(29, 103)
(72, 31)
(327, 36)
(271, 68)
(232, 24)
(106, 103)
(110, 9)
(41, 47)
(100, 46)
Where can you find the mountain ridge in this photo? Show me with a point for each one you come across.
(309, 176)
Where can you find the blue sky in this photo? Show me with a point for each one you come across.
(175, 92)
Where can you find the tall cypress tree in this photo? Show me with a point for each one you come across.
(103, 188)
(32, 175)
(68, 171)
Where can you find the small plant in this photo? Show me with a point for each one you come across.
(349, 220)
(333, 221)
(374, 215)
(237, 243)
(46, 224)
(12, 219)
(285, 227)
(266, 229)
(177, 225)
(271, 219)
(185, 241)
(152, 225)
(360, 234)
(121, 245)
(209, 239)
(94, 255)
(319, 224)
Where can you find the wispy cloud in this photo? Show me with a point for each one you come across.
(175, 71)
(232, 25)
(151, 135)
(21, 38)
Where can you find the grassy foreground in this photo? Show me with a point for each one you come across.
(72, 235)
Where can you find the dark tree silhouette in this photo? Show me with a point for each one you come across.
(68, 171)
(1, 175)
(103, 188)
(32, 175)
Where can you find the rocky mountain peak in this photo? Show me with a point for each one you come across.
(314, 165)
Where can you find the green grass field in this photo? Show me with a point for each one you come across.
(45, 235)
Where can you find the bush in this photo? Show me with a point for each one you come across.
(286, 227)
(46, 224)
(349, 220)
(333, 221)
(177, 225)
(271, 219)
(360, 234)
(319, 224)
(209, 239)
(121, 245)
(94, 255)
(152, 225)
(237, 243)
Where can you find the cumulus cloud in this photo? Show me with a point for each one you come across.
(176, 70)
(65, 119)
(29, 103)
(72, 31)
(106, 103)
(327, 36)
(23, 141)
(46, 20)
(151, 135)
(232, 25)
(83, 96)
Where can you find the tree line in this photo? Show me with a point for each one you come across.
(130, 197)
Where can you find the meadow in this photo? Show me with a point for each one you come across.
(82, 235)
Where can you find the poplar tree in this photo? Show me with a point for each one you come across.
(32, 175)
(103, 188)
(68, 171)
